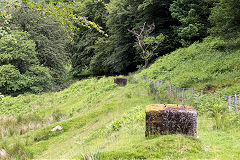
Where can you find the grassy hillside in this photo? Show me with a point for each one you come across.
(100, 120)
(212, 65)
(104, 121)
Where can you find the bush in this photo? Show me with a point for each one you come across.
(19, 67)
(216, 108)
(11, 79)
(1, 96)
(225, 18)
(50, 39)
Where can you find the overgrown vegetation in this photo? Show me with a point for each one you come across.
(70, 42)
(212, 65)
(20, 69)
(104, 121)
(45, 45)
(50, 39)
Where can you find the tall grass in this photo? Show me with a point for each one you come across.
(103, 121)
(212, 65)
(209, 106)
(15, 151)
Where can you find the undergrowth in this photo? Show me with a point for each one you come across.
(101, 120)
(212, 65)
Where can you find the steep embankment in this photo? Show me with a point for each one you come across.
(212, 65)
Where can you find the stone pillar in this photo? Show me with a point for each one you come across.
(99, 77)
(170, 119)
(120, 81)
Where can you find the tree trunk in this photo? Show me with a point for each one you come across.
(146, 64)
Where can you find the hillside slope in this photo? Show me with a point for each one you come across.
(104, 121)
(212, 65)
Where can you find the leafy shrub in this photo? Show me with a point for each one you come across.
(210, 105)
(225, 18)
(19, 67)
(11, 79)
(1, 96)
(39, 79)
(50, 39)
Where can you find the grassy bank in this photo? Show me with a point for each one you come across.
(100, 120)
(212, 65)
(105, 121)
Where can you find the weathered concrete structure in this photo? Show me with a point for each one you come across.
(170, 118)
(120, 81)
(99, 77)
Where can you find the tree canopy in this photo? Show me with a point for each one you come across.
(225, 18)
(20, 69)
(63, 38)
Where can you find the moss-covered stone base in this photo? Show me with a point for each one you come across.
(120, 81)
(170, 118)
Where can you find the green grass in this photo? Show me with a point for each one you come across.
(212, 65)
(104, 121)
(101, 120)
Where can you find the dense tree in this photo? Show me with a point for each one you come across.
(225, 18)
(62, 35)
(193, 17)
(157, 11)
(50, 40)
(99, 63)
(124, 15)
(122, 55)
(82, 47)
(20, 69)
(118, 53)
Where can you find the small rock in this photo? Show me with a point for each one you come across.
(3, 154)
(57, 128)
